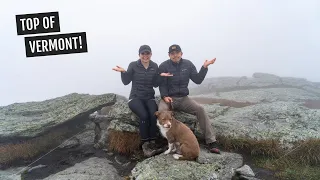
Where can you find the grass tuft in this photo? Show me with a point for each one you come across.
(123, 142)
(29, 149)
(301, 162)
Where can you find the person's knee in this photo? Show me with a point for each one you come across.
(144, 118)
(200, 109)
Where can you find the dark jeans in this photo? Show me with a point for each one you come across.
(145, 110)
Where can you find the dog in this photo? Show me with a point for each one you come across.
(179, 136)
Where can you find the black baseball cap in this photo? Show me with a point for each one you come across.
(174, 47)
(144, 48)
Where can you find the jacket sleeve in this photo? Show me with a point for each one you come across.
(163, 86)
(126, 76)
(157, 79)
(198, 77)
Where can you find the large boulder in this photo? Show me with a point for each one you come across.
(208, 166)
(118, 126)
(28, 129)
(288, 122)
(30, 119)
(93, 168)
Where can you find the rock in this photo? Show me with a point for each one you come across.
(122, 125)
(261, 95)
(247, 178)
(93, 168)
(258, 80)
(74, 142)
(288, 121)
(30, 119)
(245, 170)
(296, 82)
(265, 76)
(119, 117)
(86, 138)
(11, 173)
(208, 166)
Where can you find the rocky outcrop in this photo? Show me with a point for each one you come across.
(258, 80)
(285, 121)
(258, 109)
(208, 166)
(11, 173)
(30, 119)
(29, 129)
(263, 95)
(269, 113)
(93, 168)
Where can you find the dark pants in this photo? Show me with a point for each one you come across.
(145, 110)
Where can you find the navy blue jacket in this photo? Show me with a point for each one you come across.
(143, 80)
(177, 85)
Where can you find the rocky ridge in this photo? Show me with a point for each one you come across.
(259, 108)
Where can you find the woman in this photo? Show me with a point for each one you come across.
(144, 76)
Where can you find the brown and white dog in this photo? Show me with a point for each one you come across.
(180, 137)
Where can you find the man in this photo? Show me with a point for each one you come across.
(174, 90)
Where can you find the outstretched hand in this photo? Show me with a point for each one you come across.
(168, 99)
(119, 69)
(166, 74)
(207, 63)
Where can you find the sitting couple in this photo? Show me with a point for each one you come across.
(172, 77)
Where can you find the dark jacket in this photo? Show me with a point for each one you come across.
(143, 80)
(177, 85)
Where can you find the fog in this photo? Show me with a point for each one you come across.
(279, 37)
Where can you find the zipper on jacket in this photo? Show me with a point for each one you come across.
(145, 76)
(179, 77)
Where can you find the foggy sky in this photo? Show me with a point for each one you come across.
(247, 36)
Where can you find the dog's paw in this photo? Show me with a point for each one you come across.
(174, 149)
(176, 156)
(167, 151)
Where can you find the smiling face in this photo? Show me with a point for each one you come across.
(145, 56)
(175, 56)
(164, 118)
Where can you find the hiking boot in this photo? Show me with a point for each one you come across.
(147, 150)
(156, 146)
(213, 147)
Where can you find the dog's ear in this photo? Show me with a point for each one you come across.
(157, 113)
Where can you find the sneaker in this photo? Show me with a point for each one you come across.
(213, 148)
(147, 151)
